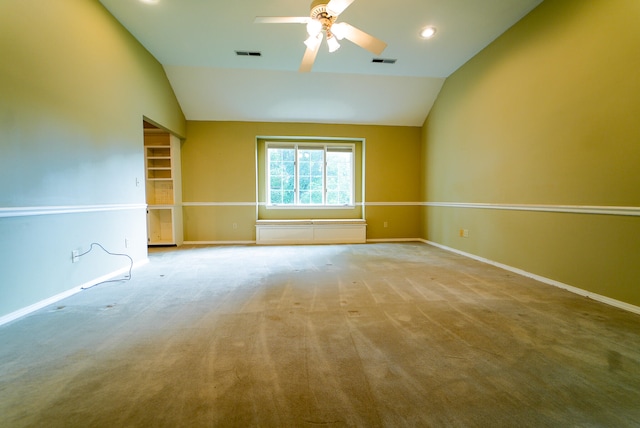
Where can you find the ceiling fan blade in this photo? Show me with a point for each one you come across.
(336, 7)
(364, 40)
(310, 56)
(281, 20)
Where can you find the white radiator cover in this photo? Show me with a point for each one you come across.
(286, 232)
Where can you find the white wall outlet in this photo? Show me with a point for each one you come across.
(126, 242)
(464, 233)
(386, 224)
(235, 225)
(75, 256)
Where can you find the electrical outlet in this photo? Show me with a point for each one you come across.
(386, 224)
(126, 242)
(75, 256)
(235, 225)
(464, 233)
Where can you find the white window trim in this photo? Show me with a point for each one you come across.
(297, 205)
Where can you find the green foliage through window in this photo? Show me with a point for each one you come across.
(310, 174)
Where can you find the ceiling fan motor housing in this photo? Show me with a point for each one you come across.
(319, 13)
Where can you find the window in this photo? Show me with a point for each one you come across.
(310, 174)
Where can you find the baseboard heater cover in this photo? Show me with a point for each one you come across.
(286, 232)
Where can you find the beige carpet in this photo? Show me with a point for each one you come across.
(305, 336)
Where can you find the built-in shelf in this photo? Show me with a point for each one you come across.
(164, 210)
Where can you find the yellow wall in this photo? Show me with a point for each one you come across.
(546, 115)
(74, 88)
(219, 177)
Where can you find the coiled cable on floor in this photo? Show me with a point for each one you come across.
(128, 275)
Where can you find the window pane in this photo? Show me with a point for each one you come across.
(275, 155)
(304, 183)
(311, 170)
(316, 168)
(339, 177)
(316, 183)
(281, 175)
(332, 183)
(276, 197)
(321, 174)
(276, 182)
(290, 169)
(305, 168)
(288, 197)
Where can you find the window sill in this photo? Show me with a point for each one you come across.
(321, 221)
(310, 207)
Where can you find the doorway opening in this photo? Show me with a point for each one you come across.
(163, 187)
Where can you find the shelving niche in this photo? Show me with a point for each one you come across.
(163, 189)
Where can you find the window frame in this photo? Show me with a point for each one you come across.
(302, 145)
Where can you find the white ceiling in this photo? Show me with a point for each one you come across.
(196, 40)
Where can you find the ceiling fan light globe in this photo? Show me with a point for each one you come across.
(314, 27)
(339, 30)
(313, 41)
(333, 44)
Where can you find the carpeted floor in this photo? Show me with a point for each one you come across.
(356, 335)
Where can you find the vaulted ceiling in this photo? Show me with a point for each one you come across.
(196, 42)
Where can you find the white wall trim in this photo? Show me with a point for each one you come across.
(219, 242)
(310, 207)
(576, 209)
(67, 209)
(302, 221)
(264, 204)
(53, 299)
(219, 204)
(394, 240)
(392, 204)
(600, 298)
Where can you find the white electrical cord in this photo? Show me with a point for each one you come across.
(126, 278)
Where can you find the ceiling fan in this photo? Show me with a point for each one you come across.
(322, 22)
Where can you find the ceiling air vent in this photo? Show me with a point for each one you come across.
(248, 53)
(384, 61)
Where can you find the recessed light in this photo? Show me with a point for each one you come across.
(150, 1)
(428, 32)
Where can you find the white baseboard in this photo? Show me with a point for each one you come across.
(219, 242)
(254, 242)
(53, 299)
(598, 297)
(394, 240)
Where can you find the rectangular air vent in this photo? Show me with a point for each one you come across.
(384, 61)
(248, 53)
